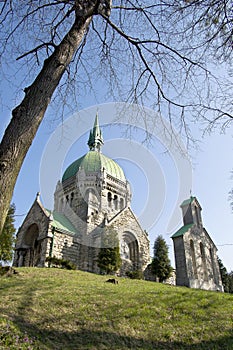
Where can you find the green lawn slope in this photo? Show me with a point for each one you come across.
(61, 309)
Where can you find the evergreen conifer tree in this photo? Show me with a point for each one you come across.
(7, 238)
(161, 265)
(230, 282)
(109, 259)
(224, 276)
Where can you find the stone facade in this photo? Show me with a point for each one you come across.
(33, 237)
(195, 252)
(93, 195)
(134, 241)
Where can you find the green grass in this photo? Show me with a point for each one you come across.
(60, 309)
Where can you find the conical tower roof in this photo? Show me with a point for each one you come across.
(95, 140)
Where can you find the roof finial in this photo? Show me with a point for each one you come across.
(95, 140)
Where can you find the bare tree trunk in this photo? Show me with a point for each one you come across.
(27, 116)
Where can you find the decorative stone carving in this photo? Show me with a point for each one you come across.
(93, 194)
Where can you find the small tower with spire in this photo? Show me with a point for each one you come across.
(191, 210)
(95, 140)
(195, 252)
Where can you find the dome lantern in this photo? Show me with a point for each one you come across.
(94, 161)
(95, 140)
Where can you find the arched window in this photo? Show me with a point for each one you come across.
(71, 198)
(193, 257)
(115, 201)
(32, 245)
(31, 235)
(215, 274)
(129, 248)
(109, 199)
(203, 259)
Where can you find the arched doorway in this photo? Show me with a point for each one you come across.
(32, 247)
(129, 250)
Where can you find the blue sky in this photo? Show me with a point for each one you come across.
(150, 167)
(156, 184)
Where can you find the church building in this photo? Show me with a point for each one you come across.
(195, 252)
(92, 196)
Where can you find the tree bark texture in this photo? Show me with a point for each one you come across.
(27, 116)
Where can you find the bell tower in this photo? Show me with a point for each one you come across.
(195, 252)
(191, 212)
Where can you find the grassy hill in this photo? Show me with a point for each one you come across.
(60, 309)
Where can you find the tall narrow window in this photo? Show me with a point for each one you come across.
(109, 199)
(115, 201)
(215, 275)
(71, 198)
(193, 257)
(203, 259)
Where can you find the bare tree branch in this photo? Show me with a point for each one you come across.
(167, 54)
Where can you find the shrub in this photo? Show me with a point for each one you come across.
(109, 259)
(7, 271)
(135, 275)
(60, 263)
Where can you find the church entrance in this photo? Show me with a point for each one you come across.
(129, 251)
(30, 254)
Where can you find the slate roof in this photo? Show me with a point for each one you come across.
(182, 230)
(61, 222)
(188, 201)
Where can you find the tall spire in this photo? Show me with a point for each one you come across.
(95, 140)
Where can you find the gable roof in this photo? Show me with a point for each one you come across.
(189, 201)
(61, 222)
(40, 211)
(130, 212)
(182, 230)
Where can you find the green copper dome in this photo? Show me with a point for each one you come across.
(94, 161)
